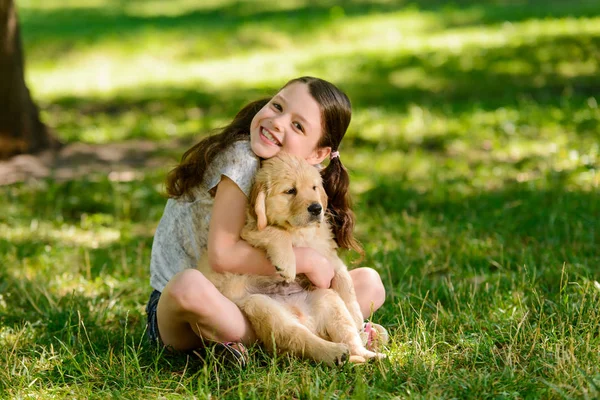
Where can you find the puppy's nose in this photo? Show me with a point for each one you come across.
(315, 209)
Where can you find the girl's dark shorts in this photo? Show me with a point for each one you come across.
(152, 324)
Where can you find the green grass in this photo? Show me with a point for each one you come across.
(474, 154)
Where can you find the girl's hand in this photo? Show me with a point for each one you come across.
(316, 267)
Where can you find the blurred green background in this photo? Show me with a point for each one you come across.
(504, 82)
(473, 152)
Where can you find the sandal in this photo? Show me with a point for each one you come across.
(232, 353)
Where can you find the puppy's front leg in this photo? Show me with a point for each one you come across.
(343, 286)
(278, 246)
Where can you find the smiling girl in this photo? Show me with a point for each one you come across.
(206, 212)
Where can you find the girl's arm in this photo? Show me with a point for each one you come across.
(227, 252)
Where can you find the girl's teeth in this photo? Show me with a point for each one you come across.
(269, 136)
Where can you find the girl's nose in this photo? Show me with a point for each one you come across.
(277, 123)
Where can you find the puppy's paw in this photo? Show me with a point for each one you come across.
(285, 264)
(357, 360)
(334, 354)
(288, 276)
(369, 355)
(376, 356)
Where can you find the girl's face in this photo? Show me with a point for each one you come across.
(291, 122)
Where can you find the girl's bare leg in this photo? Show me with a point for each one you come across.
(370, 292)
(192, 311)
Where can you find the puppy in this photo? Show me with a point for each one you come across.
(289, 314)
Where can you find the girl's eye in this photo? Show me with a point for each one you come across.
(291, 191)
(277, 106)
(299, 126)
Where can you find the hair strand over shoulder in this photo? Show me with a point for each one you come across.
(190, 171)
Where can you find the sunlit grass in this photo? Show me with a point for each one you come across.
(155, 58)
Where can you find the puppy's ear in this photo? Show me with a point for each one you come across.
(258, 194)
(260, 210)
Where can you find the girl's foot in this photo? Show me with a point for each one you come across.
(374, 336)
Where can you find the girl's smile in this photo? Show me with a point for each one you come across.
(269, 138)
(290, 121)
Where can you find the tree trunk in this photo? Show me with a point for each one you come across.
(21, 130)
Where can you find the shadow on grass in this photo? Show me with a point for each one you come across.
(497, 11)
(92, 195)
(543, 70)
(158, 100)
(443, 233)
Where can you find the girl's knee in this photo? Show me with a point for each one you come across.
(190, 290)
(369, 286)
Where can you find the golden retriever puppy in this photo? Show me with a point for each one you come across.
(288, 314)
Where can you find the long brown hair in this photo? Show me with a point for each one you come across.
(336, 112)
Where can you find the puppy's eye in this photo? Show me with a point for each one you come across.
(315, 187)
(291, 191)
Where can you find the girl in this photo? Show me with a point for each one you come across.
(206, 211)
